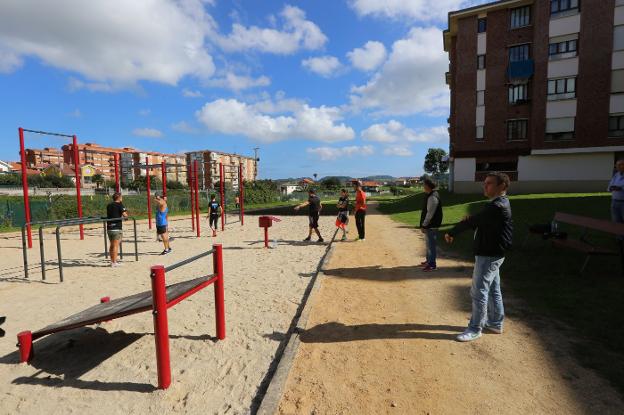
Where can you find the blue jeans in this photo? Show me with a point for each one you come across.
(617, 213)
(487, 298)
(431, 235)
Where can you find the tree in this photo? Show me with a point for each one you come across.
(331, 183)
(315, 176)
(98, 179)
(436, 162)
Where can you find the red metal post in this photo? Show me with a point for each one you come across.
(149, 193)
(161, 326)
(104, 300)
(217, 258)
(25, 185)
(78, 180)
(192, 189)
(266, 237)
(222, 194)
(197, 209)
(164, 178)
(241, 195)
(117, 186)
(24, 342)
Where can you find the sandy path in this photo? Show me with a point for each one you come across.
(112, 369)
(380, 339)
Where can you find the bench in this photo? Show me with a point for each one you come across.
(583, 244)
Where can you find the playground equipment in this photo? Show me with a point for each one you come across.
(266, 222)
(70, 222)
(25, 177)
(159, 299)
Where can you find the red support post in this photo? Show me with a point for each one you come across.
(164, 178)
(24, 342)
(197, 209)
(148, 183)
(192, 189)
(161, 326)
(117, 186)
(25, 186)
(266, 237)
(222, 194)
(217, 259)
(78, 180)
(241, 195)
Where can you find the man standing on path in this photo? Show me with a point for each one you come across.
(114, 228)
(616, 187)
(315, 206)
(430, 221)
(214, 210)
(162, 210)
(360, 210)
(493, 236)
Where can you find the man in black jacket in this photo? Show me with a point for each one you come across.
(493, 236)
(430, 221)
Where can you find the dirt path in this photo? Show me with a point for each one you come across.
(380, 339)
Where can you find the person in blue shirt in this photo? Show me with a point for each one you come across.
(162, 211)
(215, 209)
(616, 187)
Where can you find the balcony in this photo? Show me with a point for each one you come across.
(520, 69)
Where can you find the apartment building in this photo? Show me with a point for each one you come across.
(92, 154)
(132, 165)
(208, 167)
(537, 91)
(38, 158)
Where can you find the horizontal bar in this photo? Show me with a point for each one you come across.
(192, 291)
(47, 133)
(56, 221)
(188, 260)
(93, 220)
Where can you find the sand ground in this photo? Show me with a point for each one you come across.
(380, 340)
(110, 369)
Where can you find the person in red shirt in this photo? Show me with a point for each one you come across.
(360, 210)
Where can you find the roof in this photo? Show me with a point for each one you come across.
(220, 153)
(16, 166)
(370, 184)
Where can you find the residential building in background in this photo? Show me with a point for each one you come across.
(208, 167)
(537, 91)
(38, 158)
(92, 154)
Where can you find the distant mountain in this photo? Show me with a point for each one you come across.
(380, 178)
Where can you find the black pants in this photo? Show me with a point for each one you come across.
(360, 215)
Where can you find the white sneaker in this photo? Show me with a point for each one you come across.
(493, 329)
(468, 336)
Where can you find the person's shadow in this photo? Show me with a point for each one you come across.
(335, 332)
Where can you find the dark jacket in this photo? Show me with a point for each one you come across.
(493, 226)
(436, 220)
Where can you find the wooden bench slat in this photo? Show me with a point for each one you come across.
(583, 247)
(591, 223)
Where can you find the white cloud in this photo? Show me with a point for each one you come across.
(238, 82)
(191, 94)
(334, 153)
(393, 131)
(411, 80)
(369, 57)
(145, 112)
(398, 150)
(422, 10)
(113, 43)
(238, 118)
(9, 61)
(147, 132)
(296, 33)
(75, 113)
(326, 66)
(76, 85)
(184, 127)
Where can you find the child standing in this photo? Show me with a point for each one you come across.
(343, 213)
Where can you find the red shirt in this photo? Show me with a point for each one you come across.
(360, 200)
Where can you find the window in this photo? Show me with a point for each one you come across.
(520, 17)
(559, 6)
(518, 94)
(481, 25)
(568, 47)
(488, 166)
(519, 53)
(480, 61)
(616, 125)
(558, 129)
(480, 132)
(480, 98)
(517, 129)
(618, 37)
(564, 88)
(617, 81)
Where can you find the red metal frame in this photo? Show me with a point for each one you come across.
(78, 180)
(197, 209)
(149, 193)
(25, 185)
(164, 178)
(241, 195)
(189, 176)
(161, 326)
(222, 195)
(116, 158)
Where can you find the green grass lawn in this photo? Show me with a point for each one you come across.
(547, 278)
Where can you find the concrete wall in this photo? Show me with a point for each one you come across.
(464, 169)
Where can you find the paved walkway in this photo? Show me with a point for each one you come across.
(380, 339)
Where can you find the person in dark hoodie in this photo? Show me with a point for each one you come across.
(493, 236)
(430, 221)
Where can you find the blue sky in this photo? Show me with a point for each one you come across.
(351, 87)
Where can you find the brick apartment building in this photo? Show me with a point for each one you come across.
(132, 165)
(208, 167)
(537, 91)
(38, 158)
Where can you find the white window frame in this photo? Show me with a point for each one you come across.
(561, 88)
